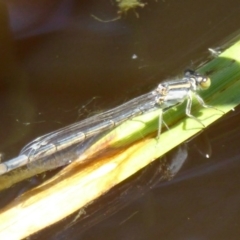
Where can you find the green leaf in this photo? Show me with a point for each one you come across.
(223, 95)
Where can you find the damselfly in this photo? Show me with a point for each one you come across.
(66, 144)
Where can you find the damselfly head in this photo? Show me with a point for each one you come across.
(202, 81)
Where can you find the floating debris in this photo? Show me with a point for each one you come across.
(124, 6)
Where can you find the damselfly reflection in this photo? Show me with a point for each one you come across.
(67, 144)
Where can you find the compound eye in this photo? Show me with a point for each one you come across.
(204, 82)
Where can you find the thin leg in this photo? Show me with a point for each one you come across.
(188, 109)
(165, 125)
(160, 122)
(200, 100)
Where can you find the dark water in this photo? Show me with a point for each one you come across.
(55, 58)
